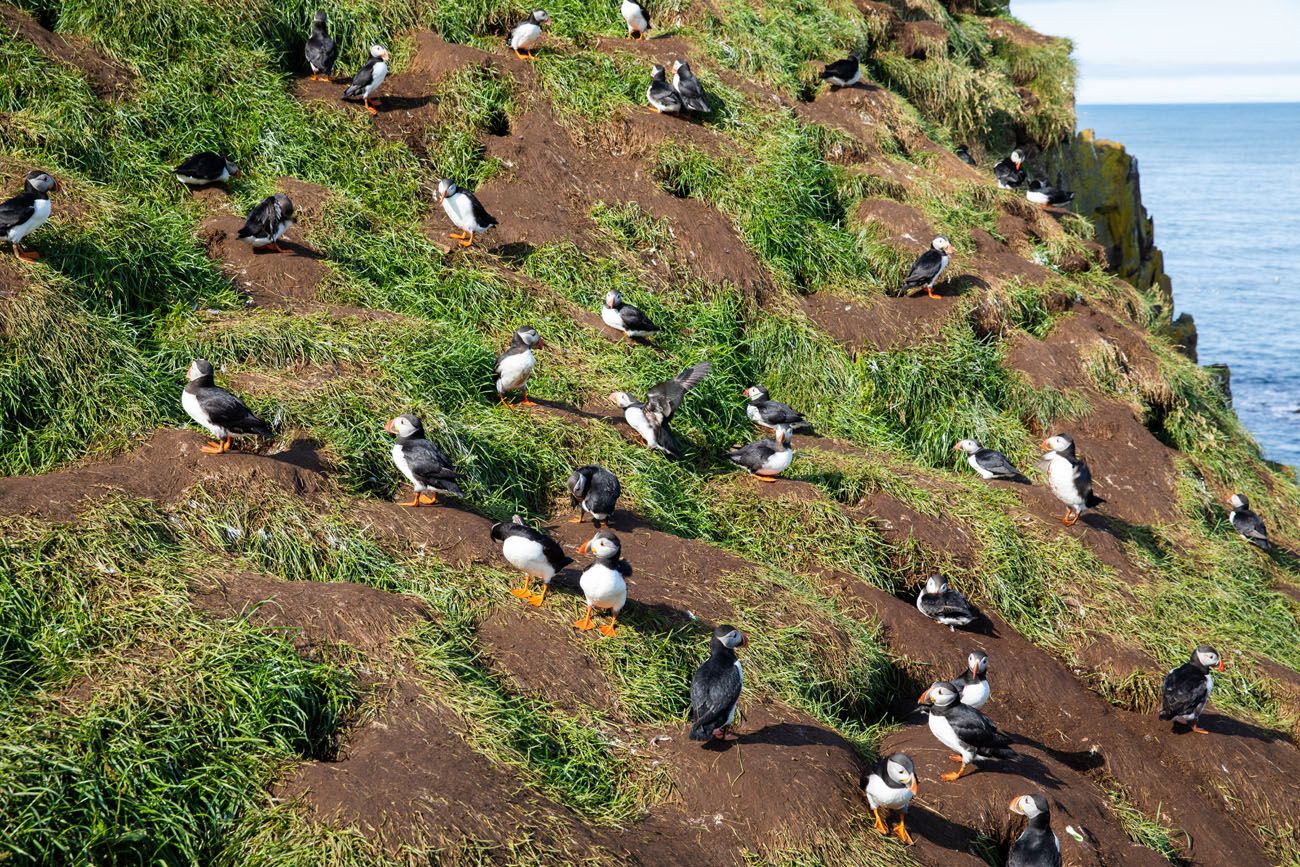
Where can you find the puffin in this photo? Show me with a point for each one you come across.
(973, 683)
(224, 415)
(27, 212)
(1069, 478)
(532, 552)
(321, 51)
(1044, 194)
(1008, 171)
(715, 688)
(843, 73)
(1037, 845)
(604, 582)
(964, 154)
(526, 33)
(688, 88)
(206, 167)
(941, 603)
(637, 18)
(368, 78)
(660, 93)
(626, 318)
(267, 222)
(891, 784)
(929, 266)
(765, 459)
(464, 209)
(515, 365)
(650, 419)
(963, 729)
(594, 491)
(1187, 688)
(771, 414)
(1247, 523)
(426, 466)
(988, 463)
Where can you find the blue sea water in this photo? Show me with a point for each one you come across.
(1222, 183)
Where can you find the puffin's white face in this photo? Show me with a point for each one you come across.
(941, 694)
(445, 188)
(970, 447)
(601, 547)
(754, 392)
(1237, 501)
(977, 663)
(622, 398)
(1209, 657)
(1058, 443)
(1029, 805)
(782, 435)
(613, 299)
(401, 426)
(530, 337)
(379, 51)
(941, 244)
(193, 373)
(1017, 157)
(42, 182)
(540, 16)
(733, 639)
(901, 774)
(658, 71)
(677, 66)
(936, 584)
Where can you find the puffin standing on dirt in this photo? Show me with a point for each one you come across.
(941, 603)
(973, 683)
(526, 34)
(891, 785)
(1041, 193)
(516, 364)
(988, 463)
(637, 18)
(626, 318)
(267, 222)
(593, 490)
(929, 266)
(321, 51)
(1187, 688)
(843, 73)
(1247, 523)
(464, 209)
(205, 168)
(1037, 845)
(369, 77)
(224, 415)
(765, 459)
(771, 414)
(27, 212)
(424, 464)
(650, 419)
(660, 93)
(964, 154)
(604, 582)
(716, 686)
(532, 552)
(1008, 171)
(966, 731)
(688, 87)
(1069, 478)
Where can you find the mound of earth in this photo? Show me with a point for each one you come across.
(107, 77)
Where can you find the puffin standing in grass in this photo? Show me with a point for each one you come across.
(465, 211)
(929, 266)
(224, 415)
(321, 50)
(942, 604)
(1008, 171)
(1069, 478)
(650, 419)
(988, 463)
(516, 364)
(973, 683)
(688, 87)
(1247, 523)
(425, 466)
(1037, 845)
(660, 93)
(604, 582)
(626, 318)
(966, 731)
(1041, 193)
(843, 73)
(267, 222)
(205, 168)
(716, 686)
(594, 491)
(771, 414)
(526, 34)
(532, 552)
(765, 459)
(1187, 688)
(369, 77)
(637, 18)
(891, 785)
(27, 212)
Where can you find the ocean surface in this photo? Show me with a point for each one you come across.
(1222, 183)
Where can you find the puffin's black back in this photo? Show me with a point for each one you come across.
(715, 689)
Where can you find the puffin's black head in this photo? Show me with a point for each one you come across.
(1060, 443)
(1239, 501)
(755, 392)
(1206, 658)
(729, 637)
(499, 529)
(528, 336)
(286, 205)
(970, 447)
(942, 245)
(319, 20)
(539, 17)
(901, 771)
(603, 546)
(199, 369)
(405, 426)
(941, 694)
(379, 51)
(1031, 806)
(681, 67)
(658, 73)
(977, 662)
(231, 168)
(40, 182)
(783, 435)
(446, 187)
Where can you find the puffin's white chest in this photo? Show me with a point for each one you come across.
(199, 182)
(943, 265)
(881, 794)
(636, 418)
(975, 465)
(190, 403)
(460, 210)
(527, 556)
(975, 694)
(755, 416)
(778, 463)
(525, 36)
(1060, 478)
(942, 730)
(612, 318)
(604, 587)
(740, 674)
(1209, 683)
(378, 73)
(634, 17)
(1037, 197)
(399, 458)
(599, 516)
(515, 370)
(856, 77)
(40, 213)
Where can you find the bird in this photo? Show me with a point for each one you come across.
(604, 582)
(626, 318)
(968, 732)
(843, 73)
(973, 683)
(526, 33)
(465, 211)
(1037, 845)
(267, 222)
(660, 93)
(987, 462)
(1041, 193)
(369, 77)
(1247, 523)
(716, 685)
(1008, 171)
(941, 603)
(929, 266)
(964, 154)
(515, 365)
(593, 490)
(426, 466)
(891, 784)
(1187, 688)
(27, 212)
(768, 413)
(637, 18)
(224, 415)
(532, 552)
(206, 167)
(650, 419)
(765, 459)
(321, 50)
(1069, 478)
(688, 88)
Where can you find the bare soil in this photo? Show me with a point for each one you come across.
(108, 78)
(889, 323)
(904, 225)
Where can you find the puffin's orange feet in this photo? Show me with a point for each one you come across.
(1071, 518)
(537, 599)
(213, 448)
(525, 590)
(607, 630)
(26, 255)
(954, 775)
(577, 520)
(954, 758)
(1199, 730)
(520, 55)
(585, 623)
(929, 290)
(370, 108)
(468, 242)
(880, 823)
(769, 479)
(902, 832)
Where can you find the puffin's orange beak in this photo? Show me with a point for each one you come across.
(388, 428)
(913, 785)
(1046, 446)
(925, 698)
(1014, 806)
(974, 671)
(582, 549)
(1223, 666)
(541, 344)
(956, 448)
(744, 641)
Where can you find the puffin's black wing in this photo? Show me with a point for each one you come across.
(550, 548)
(1185, 690)
(977, 730)
(635, 320)
(204, 164)
(949, 604)
(753, 455)
(16, 211)
(692, 93)
(715, 689)
(996, 463)
(841, 69)
(428, 462)
(1007, 173)
(924, 269)
(227, 411)
(665, 397)
(322, 52)
(481, 216)
(1250, 525)
(1083, 481)
(262, 220)
(362, 79)
(774, 413)
(1036, 847)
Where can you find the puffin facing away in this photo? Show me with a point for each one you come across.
(962, 729)
(1247, 523)
(532, 552)
(267, 222)
(650, 419)
(964, 154)
(688, 87)
(928, 267)
(425, 466)
(594, 491)
(988, 463)
(27, 212)
(1069, 478)
(224, 415)
(1037, 845)
(715, 688)
(637, 18)
(765, 459)
(205, 168)
(660, 93)
(464, 209)
(941, 603)
(1187, 688)
(321, 51)
(843, 73)
(626, 318)
(891, 785)
(1008, 172)
(369, 77)
(973, 683)
(516, 364)
(1044, 194)
(604, 583)
(771, 414)
(526, 33)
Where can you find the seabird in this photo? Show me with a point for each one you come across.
(204, 168)
(224, 415)
(594, 491)
(1044, 194)
(464, 209)
(426, 466)
(973, 683)
(368, 78)
(765, 459)
(966, 731)
(929, 266)
(964, 154)
(771, 414)
(650, 419)
(688, 88)
(1008, 171)
(941, 603)
(321, 51)
(515, 365)
(1069, 478)
(843, 73)
(604, 583)
(267, 222)
(987, 462)
(27, 212)
(1247, 523)
(637, 18)
(1187, 688)
(532, 552)
(1037, 845)
(626, 318)
(660, 93)
(715, 688)
(891, 785)
(526, 33)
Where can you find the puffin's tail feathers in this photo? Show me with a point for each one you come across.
(1094, 501)
(449, 488)
(1259, 542)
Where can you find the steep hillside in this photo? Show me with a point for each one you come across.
(260, 657)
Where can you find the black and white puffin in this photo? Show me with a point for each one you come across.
(526, 34)
(464, 209)
(1042, 193)
(1187, 688)
(604, 582)
(941, 603)
(206, 167)
(424, 464)
(267, 222)
(660, 93)
(369, 77)
(516, 364)
(716, 686)
(1069, 478)
(765, 459)
(1037, 845)
(891, 785)
(1008, 171)
(626, 318)
(532, 552)
(966, 731)
(928, 267)
(224, 415)
(1247, 523)
(771, 414)
(27, 212)
(688, 87)
(973, 683)
(843, 73)
(637, 18)
(593, 490)
(650, 419)
(964, 154)
(988, 463)
(321, 50)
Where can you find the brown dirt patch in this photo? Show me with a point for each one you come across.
(995, 262)
(1058, 360)
(898, 522)
(920, 39)
(405, 102)
(107, 77)
(904, 225)
(1131, 469)
(279, 280)
(890, 323)
(1000, 28)
(1113, 657)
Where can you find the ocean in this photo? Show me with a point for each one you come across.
(1222, 183)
